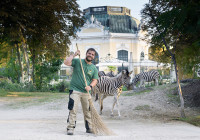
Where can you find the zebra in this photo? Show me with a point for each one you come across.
(149, 76)
(110, 74)
(108, 86)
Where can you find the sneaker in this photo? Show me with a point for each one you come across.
(70, 132)
(89, 131)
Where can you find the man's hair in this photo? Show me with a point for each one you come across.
(91, 49)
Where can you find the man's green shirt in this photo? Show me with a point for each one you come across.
(77, 83)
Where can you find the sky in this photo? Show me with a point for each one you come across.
(134, 5)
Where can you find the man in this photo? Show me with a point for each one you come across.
(78, 89)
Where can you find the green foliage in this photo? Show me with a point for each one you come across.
(7, 86)
(60, 87)
(191, 58)
(46, 72)
(112, 68)
(3, 93)
(16, 87)
(11, 70)
(10, 86)
(124, 88)
(195, 120)
(178, 23)
(44, 27)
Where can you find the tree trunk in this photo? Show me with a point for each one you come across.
(41, 78)
(179, 88)
(20, 64)
(33, 66)
(27, 61)
(175, 65)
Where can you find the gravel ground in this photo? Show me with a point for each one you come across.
(145, 116)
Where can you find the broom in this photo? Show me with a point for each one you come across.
(98, 127)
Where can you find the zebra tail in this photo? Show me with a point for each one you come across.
(95, 94)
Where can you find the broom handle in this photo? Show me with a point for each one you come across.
(82, 70)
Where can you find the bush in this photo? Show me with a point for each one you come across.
(29, 87)
(62, 86)
(8, 86)
(124, 88)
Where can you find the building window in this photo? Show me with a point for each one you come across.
(123, 55)
(116, 9)
(97, 9)
(142, 56)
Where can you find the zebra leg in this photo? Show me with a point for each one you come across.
(156, 82)
(119, 91)
(116, 101)
(141, 82)
(101, 107)
(118, 108)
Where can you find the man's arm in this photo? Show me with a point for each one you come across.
(68, 60)
(92, 84)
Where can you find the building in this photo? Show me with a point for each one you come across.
(117, 38)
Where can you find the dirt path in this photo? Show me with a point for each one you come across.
(144, 117)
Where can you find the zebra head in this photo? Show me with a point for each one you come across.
(126, 77)
(135, 80)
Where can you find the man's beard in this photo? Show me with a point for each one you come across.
(89, 59)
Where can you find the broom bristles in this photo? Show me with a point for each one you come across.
(98, 127)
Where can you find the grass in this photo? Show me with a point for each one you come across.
(124, 88)
(137, 93)
(143, 107)
(3, 93)
(173, 98)
(25, 99)
(194, 120)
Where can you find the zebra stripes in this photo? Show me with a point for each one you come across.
(110, 74)
(149, 76)
(108, 86)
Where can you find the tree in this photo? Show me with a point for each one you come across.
(112, 68)
(39, 29)
(169, 24)
(178, 22)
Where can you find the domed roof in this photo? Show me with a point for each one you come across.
(115, 19)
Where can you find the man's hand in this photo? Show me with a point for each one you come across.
(68, 60)
(88, 88)
(77, 53)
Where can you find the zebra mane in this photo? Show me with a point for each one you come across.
(127, 73)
